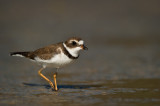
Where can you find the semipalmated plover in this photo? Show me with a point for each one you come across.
(55, 55)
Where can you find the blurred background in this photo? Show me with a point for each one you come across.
(34, 23)
(123, 38)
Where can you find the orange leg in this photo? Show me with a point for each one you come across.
(39, 72)
(55, 81)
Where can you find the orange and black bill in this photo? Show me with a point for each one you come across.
(84, 47)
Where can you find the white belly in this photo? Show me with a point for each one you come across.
(57, 61)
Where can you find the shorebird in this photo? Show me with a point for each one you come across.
(55, 55)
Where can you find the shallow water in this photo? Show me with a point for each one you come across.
(119, 76)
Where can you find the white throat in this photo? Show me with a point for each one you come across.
(73, 51)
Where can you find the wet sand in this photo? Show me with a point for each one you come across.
(109, 92)
(119, 76)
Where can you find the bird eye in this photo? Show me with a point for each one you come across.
(74, 43)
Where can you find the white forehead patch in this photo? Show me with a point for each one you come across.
(81, 42)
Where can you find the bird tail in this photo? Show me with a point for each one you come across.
(20, 54)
